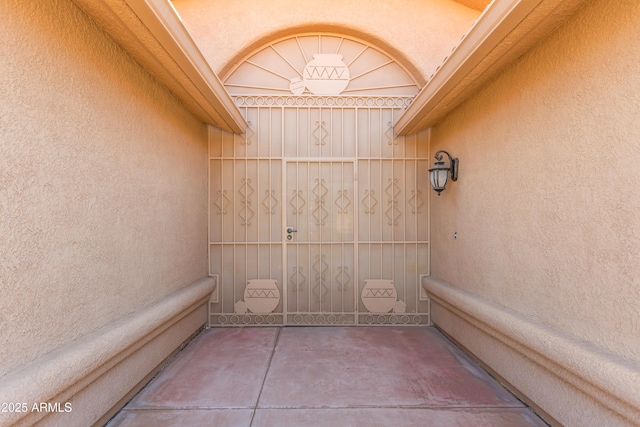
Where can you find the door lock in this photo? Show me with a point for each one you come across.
(289, 231)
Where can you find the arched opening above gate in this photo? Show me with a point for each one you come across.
(320, 65)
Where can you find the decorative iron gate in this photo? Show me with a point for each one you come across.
(319, 213)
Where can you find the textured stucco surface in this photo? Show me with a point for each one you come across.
(547, 205)
(590, 387)
(419, 33)
(542, 387)
(102, 183)
(95, 373)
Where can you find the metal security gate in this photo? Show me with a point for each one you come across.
(319, 212)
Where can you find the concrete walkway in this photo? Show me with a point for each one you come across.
(324, 376)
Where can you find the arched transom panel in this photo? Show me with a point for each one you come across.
(320, 64)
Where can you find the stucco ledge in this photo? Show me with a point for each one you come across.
(607, 378)
(68, 372)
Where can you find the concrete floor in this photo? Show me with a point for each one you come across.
(324, 376)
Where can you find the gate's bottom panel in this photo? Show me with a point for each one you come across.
(319, 319)
(220, 320)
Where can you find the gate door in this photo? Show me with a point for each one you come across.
(320, 243)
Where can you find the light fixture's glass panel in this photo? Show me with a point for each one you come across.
(438, 178)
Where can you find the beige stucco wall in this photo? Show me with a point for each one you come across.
(547, 206)
(418, 33)
(102, 183)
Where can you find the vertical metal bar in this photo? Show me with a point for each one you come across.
(342, 291)
(369, 132)
(270, 188)
(283, 221)
(297, 187)
(356, 219)
(246, 223)
(222, 245)
(297, 246)
(331, 164)
(406, 205)
(343, 216)
(341, 129)
(382, 206)
(379, 193)
(233, 189)
(309, 131)
(415, 223)
(309, 232)
(283, 244)
(257, 169)
(232, 186)
(235, 227)
(393, 205)
(209, 219)
(331, 153)
(404, 271)
(320, 234)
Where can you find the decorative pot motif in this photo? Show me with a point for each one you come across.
(326, 74)
(379, 296)
(297, 86)
(261, 296)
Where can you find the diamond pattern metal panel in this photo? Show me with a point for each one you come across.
(354, 193)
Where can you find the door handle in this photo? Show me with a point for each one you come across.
(291, 230)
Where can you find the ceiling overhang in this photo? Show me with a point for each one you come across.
(153, 34)
(502, 33)
(478, 5)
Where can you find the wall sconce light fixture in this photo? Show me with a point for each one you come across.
(439, 173)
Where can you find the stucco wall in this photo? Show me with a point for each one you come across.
(547, 206)
(102, 183)
(419, 33)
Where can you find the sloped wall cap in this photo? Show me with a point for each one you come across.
(501, 34)
(607, 378)
(85, 360)
(153, 34)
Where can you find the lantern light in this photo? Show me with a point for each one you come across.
(439, 173)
